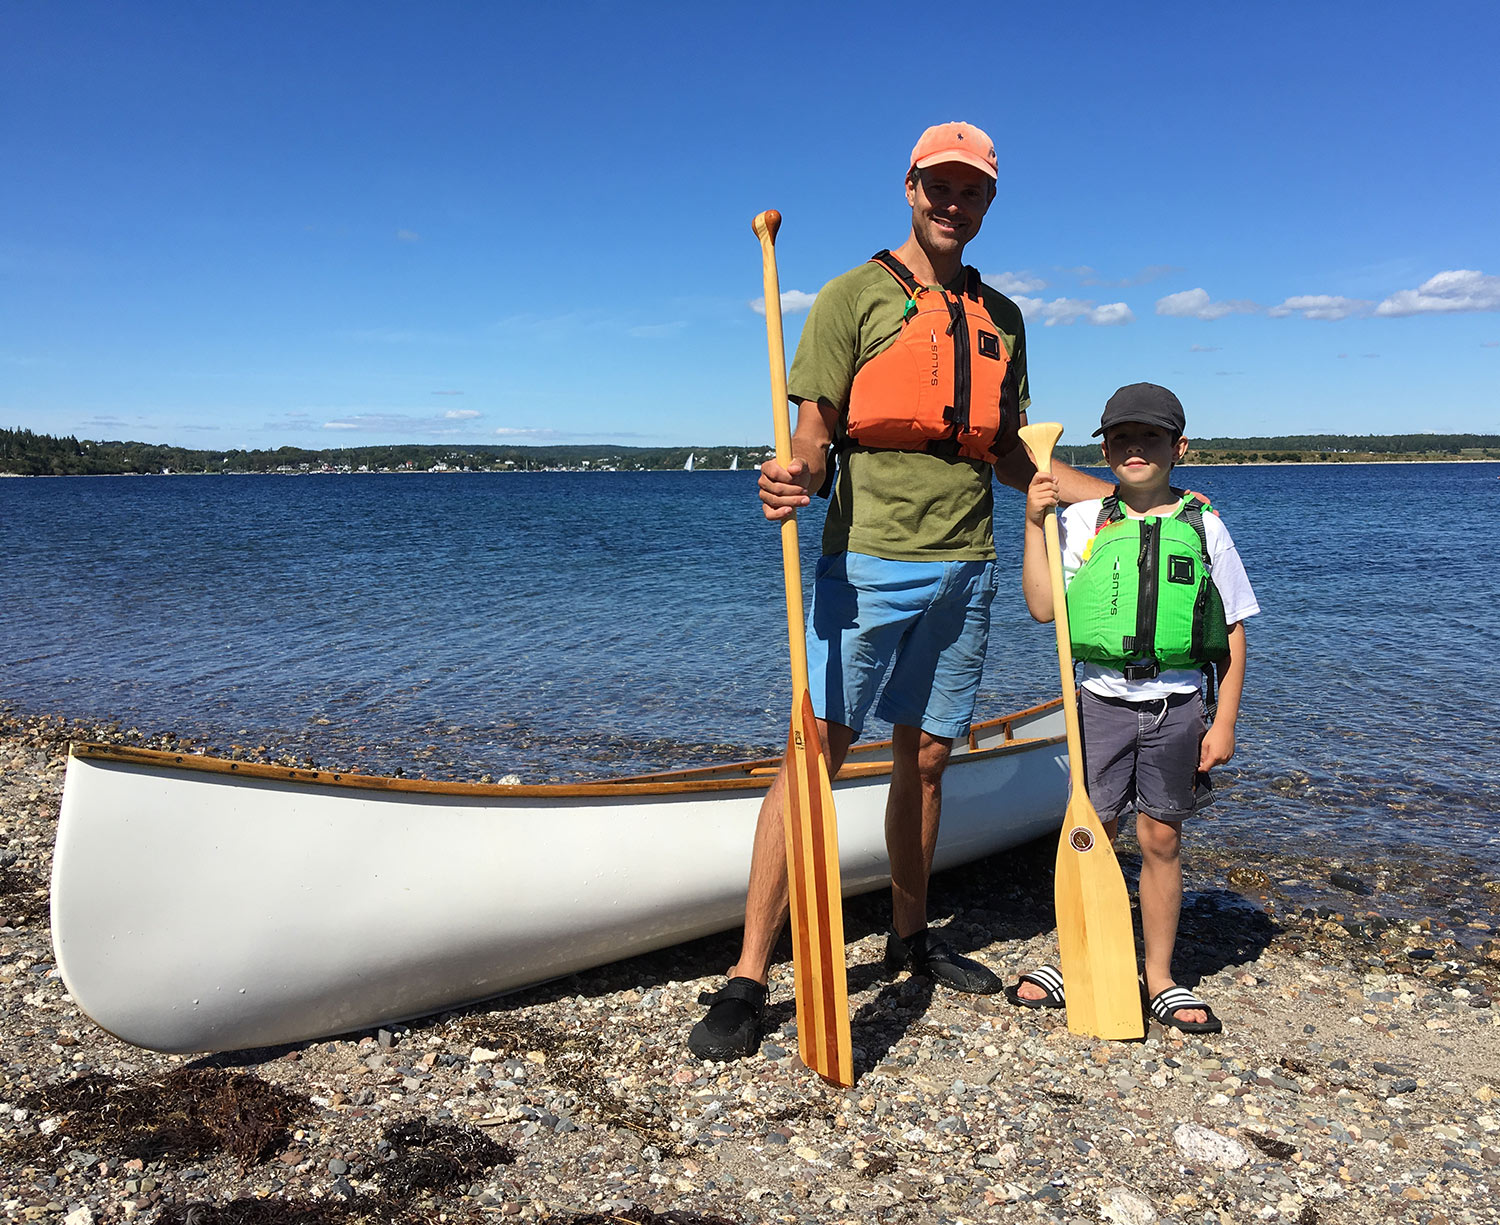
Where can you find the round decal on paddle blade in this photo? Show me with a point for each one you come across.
(1081, 839)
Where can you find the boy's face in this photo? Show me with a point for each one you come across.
(1142, 455)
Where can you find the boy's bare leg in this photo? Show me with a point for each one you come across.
(1030, 991)
(912, 812)
(1161, 903)
(766, 895)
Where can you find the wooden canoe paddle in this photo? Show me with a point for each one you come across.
(1096, 944)
(812, 839)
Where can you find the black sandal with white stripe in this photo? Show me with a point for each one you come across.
(1049, 979)
(1166, 1006)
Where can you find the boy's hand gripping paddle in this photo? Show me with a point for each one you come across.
(1095, 940)
(812, 841)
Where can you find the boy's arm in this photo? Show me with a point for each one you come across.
(1218, 741)
(1036, 576)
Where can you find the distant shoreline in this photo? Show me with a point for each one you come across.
(1187, 463)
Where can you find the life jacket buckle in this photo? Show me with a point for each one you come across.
(1141, 672)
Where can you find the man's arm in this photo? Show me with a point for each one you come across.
(784, 489)
(1015, 469)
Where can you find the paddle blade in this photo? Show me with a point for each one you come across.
(1095, 940)
(817, 904)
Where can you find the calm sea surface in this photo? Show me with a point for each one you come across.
(567, 625)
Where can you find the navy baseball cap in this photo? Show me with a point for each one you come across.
(1146, 403)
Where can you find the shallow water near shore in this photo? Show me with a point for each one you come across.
(574, 625)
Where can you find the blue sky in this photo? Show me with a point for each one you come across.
(326, 224)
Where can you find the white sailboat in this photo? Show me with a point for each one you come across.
(688, 467)
(734, 463)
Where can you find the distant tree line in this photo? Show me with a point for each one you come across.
(1297, 448)
(27, 453)
(31, 454)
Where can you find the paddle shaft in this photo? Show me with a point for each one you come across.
(1040, 440)
(813, 879)
(766, 225)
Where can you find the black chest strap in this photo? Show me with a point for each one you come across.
(1192, 515)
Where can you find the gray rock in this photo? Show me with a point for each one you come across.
(1123, 1206)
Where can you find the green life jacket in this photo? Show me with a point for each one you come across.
(1144, 599)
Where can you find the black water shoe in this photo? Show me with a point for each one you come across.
(731, 1029)
(924, 954)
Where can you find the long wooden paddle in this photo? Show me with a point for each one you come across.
(1095, 941)
(812, 838)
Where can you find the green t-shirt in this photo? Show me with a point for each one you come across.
(900, 505)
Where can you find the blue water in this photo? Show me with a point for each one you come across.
(567, 625)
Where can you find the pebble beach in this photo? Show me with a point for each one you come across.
(1357, 1076)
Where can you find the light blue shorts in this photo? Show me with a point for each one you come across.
(926, 622)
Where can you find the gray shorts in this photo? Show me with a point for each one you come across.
(1143, 756)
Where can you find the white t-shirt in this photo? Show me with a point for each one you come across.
(1075, 528)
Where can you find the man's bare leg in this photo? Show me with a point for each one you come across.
(731, 1028)
(766, 894)
(912, 813)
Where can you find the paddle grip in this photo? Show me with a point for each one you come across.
(766, 224)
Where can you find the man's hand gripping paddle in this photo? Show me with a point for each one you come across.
(1095, 941)
(812, 840)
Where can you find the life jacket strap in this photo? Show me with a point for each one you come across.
(1191, 514)
(901, 272)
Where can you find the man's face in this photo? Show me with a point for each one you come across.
(948, 203)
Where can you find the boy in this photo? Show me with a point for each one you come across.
(1156, 591)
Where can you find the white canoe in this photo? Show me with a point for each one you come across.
(202, 905)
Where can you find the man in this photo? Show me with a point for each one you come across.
(914, 373)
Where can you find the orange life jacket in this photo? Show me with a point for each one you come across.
(939, 385)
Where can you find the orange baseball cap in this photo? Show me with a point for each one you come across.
(956, 142)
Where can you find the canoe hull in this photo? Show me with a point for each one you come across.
(197, 910)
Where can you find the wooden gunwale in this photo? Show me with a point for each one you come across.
(740, 776)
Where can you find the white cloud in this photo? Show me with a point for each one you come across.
(1319, 306)
(1153, 272)
(1196, 304)
(792, 301)
(1489, 344)
(408, 236)
(1071, 310)
(1016, 283)
(1111, 314)
(1447, 292)
(399, 336)
(419, 425)
(1204, 349)
(447, 393)
(657, 331)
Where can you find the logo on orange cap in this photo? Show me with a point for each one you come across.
(956, 142)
